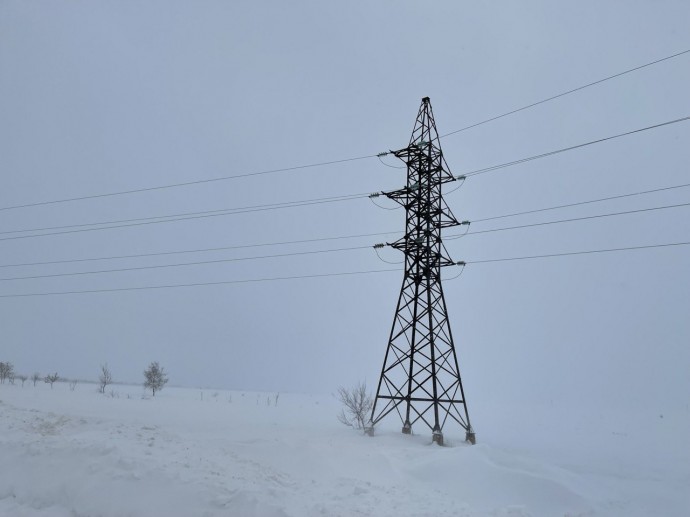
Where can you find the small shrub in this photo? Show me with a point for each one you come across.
(6, 372)
(358, 404)
(155, 378)
(105, 377)
(51, 379)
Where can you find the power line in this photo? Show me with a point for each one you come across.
(598, 216)
(188, 183)
(373, 234)
(204, 216)
(216, 261)
(346, 273)
(551, 255)
(331, 162)
(256, 208)
(199, 284)
(620, 196)
(299, 167)
(376, 249)
(221, 211)
(202, 250)
(320, 239)
(565, 93)
(571, 148)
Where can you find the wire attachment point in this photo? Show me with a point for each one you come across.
(375, 194)
(385, 153)
(461, 263)
(379, 246)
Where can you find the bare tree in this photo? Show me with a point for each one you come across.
(6, 372)
(73, 385)
(50, 379)
(358, 404)
(35, 378)
(155, 377)
(22, 378)
(105, 377)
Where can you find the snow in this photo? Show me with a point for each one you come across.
(192, 452)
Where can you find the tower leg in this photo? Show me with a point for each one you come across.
(407, 427)
(469, 436)
(437, 436)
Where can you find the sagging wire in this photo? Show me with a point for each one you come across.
(460, 235)
(462, 179)
(377, 194)
(461, 263)
(380, 155)
(377, 247)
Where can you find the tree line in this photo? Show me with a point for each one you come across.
(155, 377)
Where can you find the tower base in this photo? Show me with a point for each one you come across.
(469, 437)
(437, 437)
(407, 428)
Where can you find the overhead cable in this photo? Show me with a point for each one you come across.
(598, 216)
(276, 206)
(187, 183)
(201, 250)
(206, 213)
(330, 238)
(352, 236)
(183, 264)
(571, 148)
(587, 252)
(620, 196)
(203, 215)
(565, 93)
(200, 284)
(299, 167)
(332, 162)
(346, 273)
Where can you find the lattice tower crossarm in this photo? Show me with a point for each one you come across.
(420, 378)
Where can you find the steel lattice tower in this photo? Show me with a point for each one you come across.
(420, 378)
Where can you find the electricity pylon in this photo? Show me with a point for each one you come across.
(420, 378)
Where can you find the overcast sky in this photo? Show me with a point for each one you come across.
(101, 97)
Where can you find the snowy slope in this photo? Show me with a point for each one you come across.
(206, 453)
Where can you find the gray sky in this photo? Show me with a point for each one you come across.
(98, 97)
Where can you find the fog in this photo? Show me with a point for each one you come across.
(104, 97)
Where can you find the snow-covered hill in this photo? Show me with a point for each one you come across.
(193, 452)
